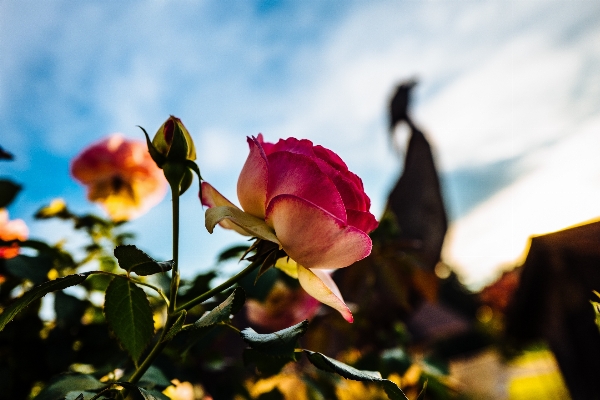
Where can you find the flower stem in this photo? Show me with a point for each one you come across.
(160, 344)
(228, 283)
(175, 271)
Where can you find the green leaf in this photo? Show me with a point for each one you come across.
(279, 344)
(154, 378)
(34, 269)
(236, 251)
(251, 224)
(79, 395)
(61, 386)
(330, 365)
(38, 292)
(220, 313)
(176, 328)
(135, 260)
(129, 316)
(8, 192)
(147, 394)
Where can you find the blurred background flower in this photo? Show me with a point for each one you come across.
(11, 230)
(121, 176)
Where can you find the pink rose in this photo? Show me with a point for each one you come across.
(120, 176)
(304, 198)
(11, 230)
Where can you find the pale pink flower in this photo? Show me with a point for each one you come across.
(121, 176)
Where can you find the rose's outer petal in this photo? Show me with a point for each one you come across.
(320, 285)
(363, 220)
(212, 198)
(313, 237)
(253, 180)
(299, 175)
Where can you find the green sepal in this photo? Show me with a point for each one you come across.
(186, 182)
(132, 259)
(157, 156)
(38, 292)
(325, 363)
(278, 344)
(8, 192)
(129, 316)
(60, 386)
(176, 328)
(194, 167)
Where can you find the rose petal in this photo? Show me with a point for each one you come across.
(293, 145)
(330, 157)
(321, 286)
(253, 180)
(313, 237)
(299, 175)
(363, 220)
(353, 196)
(212, 198)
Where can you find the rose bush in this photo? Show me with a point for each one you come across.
(304, 198)
(121, 176)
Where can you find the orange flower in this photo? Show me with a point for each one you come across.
(120, 176)
(11, 230)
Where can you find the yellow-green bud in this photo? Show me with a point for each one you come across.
(174, 141)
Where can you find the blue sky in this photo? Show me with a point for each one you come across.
(509, 95)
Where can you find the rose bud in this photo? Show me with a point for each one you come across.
(174, 142)
(121, 176)
(303, 198)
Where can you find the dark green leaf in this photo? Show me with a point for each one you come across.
(265, 364)
(79, 395)
(176, 328)
(278, 344)
(154, 378)
(129, 316)
(330, 365)
(135, 260)
(61, 386)
(152, 394)
(38, 292)
(8, 192)
(5, 155)
(219, 314)
(232, 252)
(34, 269)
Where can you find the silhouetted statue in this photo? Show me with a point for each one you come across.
(552, 302)
(416, 200)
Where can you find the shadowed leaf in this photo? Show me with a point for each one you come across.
(38, 292)
(62, 385)
(129, 316)
(176, 328)
(278, 344)
(135, 260)
(8, 192)
(330, 365)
